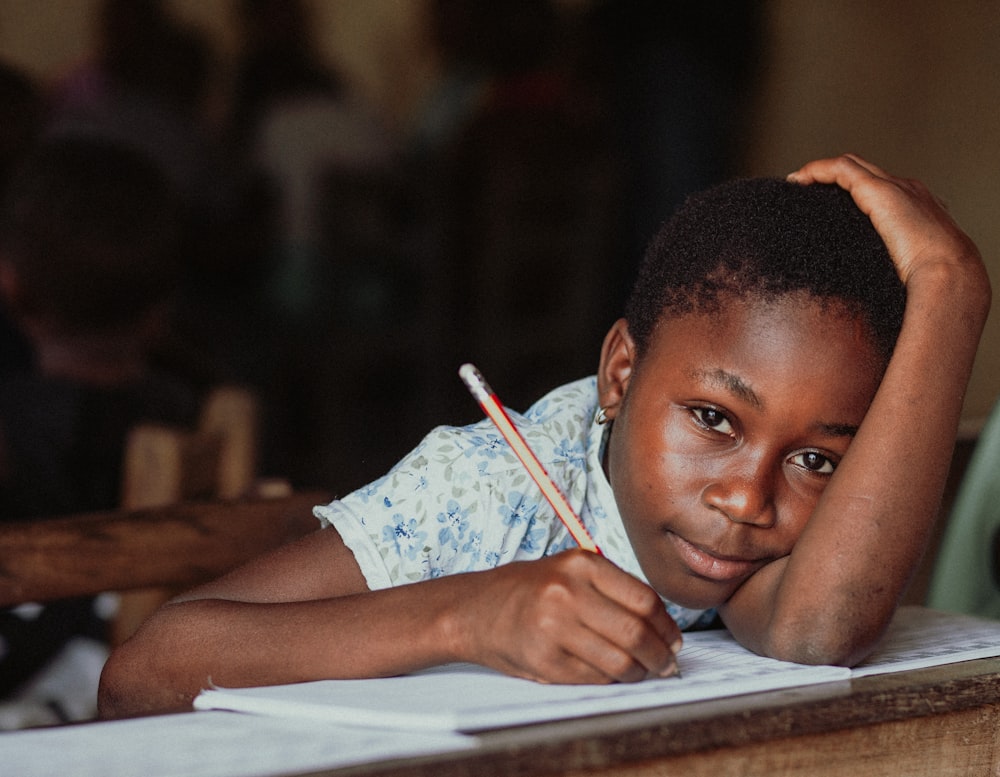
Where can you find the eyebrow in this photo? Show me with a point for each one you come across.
(839, 430)
(734, 384)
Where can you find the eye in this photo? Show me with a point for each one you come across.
(714, 419)
(813, 461)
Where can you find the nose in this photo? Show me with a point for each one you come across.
(744, 493)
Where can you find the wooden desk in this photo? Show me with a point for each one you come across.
(939, 721)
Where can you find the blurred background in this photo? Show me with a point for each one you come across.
(378, 190)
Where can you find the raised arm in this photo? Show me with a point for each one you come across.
(831, 599)
(304, 612)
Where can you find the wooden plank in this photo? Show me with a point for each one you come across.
(957, 744)
(177, 546)
(939, 721)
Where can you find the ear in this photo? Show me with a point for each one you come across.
(616, 367)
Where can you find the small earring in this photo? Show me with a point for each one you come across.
(601, 417)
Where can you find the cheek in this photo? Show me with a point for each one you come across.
(634, 464)
(653, 468)
(794, 506)
(670, 455)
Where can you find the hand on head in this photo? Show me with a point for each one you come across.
(914, 224)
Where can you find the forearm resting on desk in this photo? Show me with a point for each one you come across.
(191, 645)
(570, 618)
(300, 613)
(829, 601)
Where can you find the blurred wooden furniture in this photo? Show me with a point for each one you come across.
(190, 510)
(174, 546)
(166, 465)
(217, 459)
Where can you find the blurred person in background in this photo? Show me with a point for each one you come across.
(88, 268)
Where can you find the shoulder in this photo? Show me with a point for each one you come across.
(474, 462)
(558, 426)
(570, 403)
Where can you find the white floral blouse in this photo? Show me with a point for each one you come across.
(461, 501)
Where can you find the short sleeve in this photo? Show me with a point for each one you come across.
(459, 502)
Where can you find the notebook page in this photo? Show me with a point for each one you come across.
(209, 744)
(469, 698)
(918, 638)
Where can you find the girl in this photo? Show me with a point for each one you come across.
(766, 440)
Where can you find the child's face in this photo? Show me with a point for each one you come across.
(728, 432)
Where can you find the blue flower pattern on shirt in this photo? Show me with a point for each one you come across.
(404, 536)
(517, 510)
(372, 489)
(456, 522)
(464, 488)
(571, 452)
(473, 549)
(534, 538)
(488, 445)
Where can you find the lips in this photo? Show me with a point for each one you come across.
(704, 564)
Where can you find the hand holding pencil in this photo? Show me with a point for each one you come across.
(602, 622)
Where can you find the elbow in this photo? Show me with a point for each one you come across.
(124, 694)
(133, 683)
(832, 643)
(813, 651)
(113, 692)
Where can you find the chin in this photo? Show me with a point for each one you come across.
(697, 594)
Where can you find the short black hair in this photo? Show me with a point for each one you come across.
(91, 228)
(765, 238)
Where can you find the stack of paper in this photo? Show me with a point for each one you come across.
(331, 724)
(209, 744)
(465, 698)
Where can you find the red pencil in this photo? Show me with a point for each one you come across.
(487, 399)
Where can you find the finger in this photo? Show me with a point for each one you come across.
(623, 644)
(816, 171)
(844, 170)
(570, 652)
(562, 667)
(878, 195)
(871, 167)
(917, 188)
(639, 600)
(591, 654)
(629, 620)
(587, 607)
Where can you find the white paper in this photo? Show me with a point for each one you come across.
(208, 744)
(918, 638)
(469, 698)
(303, 738)
(466, 698)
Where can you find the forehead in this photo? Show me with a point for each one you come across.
(793, 341)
